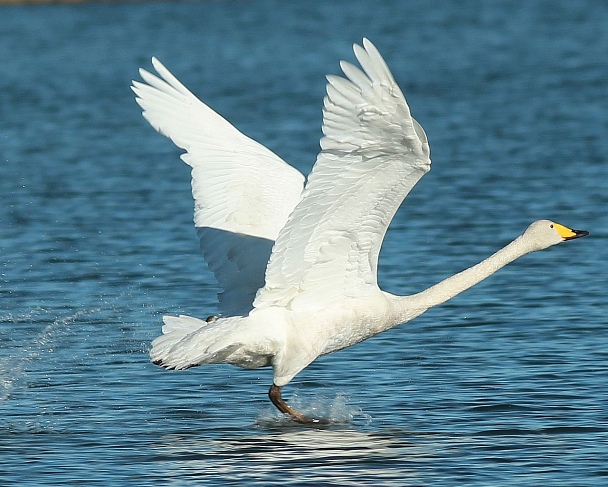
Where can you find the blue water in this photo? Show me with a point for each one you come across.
(505, 385)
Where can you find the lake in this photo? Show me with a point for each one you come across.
(504, 385)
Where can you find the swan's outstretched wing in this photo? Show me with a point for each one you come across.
(243, 192)
(372, 154)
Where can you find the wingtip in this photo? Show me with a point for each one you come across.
(157, 64)
(356, 47)
(143, 71)
(371, 49)
(359, 51)
(365, 45)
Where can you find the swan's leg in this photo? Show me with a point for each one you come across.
(275, 396)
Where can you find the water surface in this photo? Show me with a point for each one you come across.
(504, 385)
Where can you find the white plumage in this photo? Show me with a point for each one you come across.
(299, 266)
(243, 192)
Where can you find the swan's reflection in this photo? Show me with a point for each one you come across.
(295, 456)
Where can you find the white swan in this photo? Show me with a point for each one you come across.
(298, 264)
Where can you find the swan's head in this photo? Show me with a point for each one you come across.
(545, 233)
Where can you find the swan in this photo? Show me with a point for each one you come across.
(297, 261)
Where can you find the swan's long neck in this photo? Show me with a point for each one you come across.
(408, 307)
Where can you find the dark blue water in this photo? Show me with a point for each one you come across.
(504, 385)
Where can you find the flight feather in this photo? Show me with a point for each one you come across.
(373, 153)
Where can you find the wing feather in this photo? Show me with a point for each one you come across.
(243, 192)
(373, 153)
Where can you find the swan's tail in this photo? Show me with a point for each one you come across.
(187, 342)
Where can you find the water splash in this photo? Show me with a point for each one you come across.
(13, 367)
(336, 410)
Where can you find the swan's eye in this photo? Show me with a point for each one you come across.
(552, 225)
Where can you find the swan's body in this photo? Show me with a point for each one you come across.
(298, 265)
